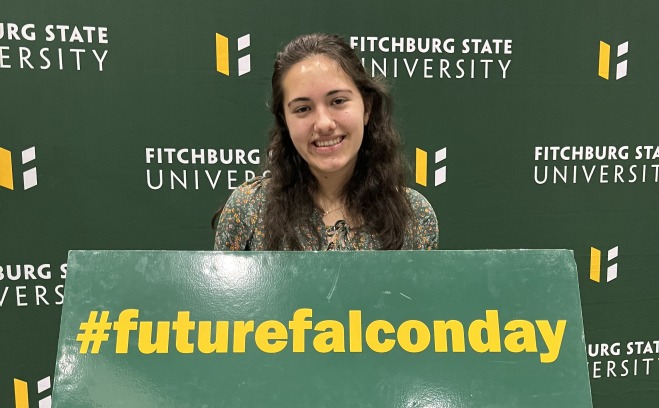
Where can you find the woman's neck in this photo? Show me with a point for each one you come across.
(329, 195)
(330, 186)
(330, 199)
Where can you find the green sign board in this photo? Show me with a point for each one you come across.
(368, 329)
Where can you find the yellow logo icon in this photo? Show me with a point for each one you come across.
(605, 60)
(6, 173)
(421, 172)
(21, 393)
(222, 54)
(596, 264)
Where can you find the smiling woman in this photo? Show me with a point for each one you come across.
(337, 173)
(325, 115)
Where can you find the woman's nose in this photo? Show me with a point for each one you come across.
(324, 121)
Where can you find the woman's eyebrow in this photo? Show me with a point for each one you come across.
(306, 99)
(300, 99)
(337, 91)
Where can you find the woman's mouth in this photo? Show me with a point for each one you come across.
(328, 143)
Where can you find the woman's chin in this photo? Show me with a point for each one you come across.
(331, 169)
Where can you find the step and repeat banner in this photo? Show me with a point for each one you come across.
(124, 125)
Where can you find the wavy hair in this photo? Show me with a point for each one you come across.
(375, 194)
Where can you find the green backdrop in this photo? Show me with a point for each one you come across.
(92, 138)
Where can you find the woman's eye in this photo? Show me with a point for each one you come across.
(339, 101)
(301, 109)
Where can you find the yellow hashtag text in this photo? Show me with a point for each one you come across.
(488, 335)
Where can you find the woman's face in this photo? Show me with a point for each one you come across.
(325, 115)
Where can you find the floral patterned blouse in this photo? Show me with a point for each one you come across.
(240, 227)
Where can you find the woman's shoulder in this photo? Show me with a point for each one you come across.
(417, 200)
(252, 189)
(424, 225)
(421, 207)
(239, 217)
(255, 184)
(247, 197)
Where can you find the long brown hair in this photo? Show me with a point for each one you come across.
(375, 193)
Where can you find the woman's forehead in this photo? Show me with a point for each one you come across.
(316, 70)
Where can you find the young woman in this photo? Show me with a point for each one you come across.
(337, 173)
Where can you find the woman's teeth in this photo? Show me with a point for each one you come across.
(327, 143)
